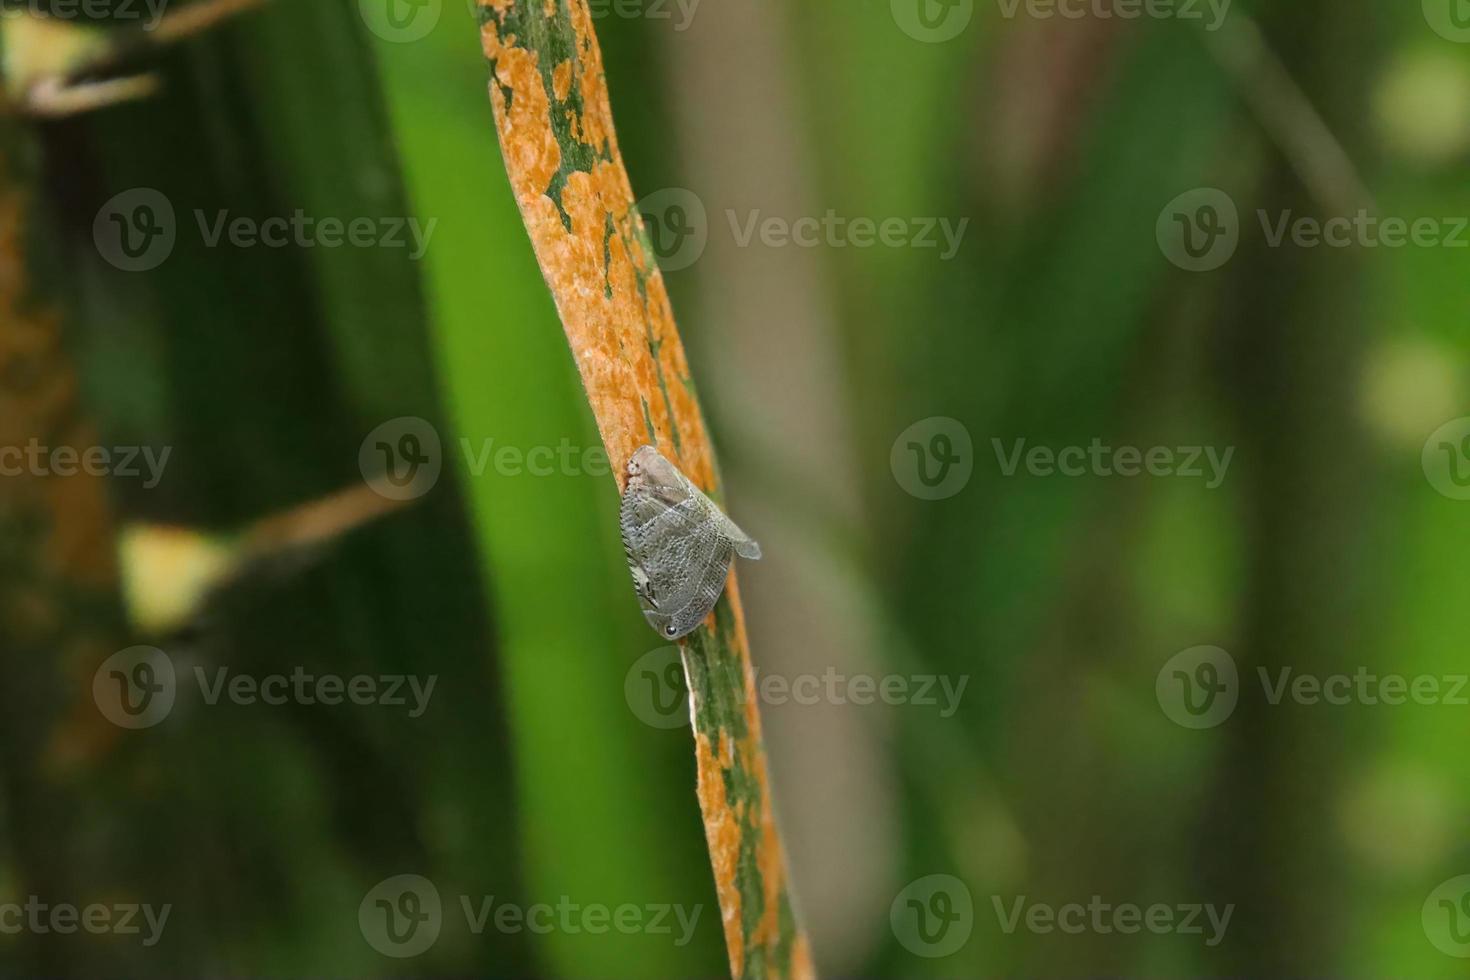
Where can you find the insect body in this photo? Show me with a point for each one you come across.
(679, 544)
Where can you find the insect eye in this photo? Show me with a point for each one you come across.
(670, 630)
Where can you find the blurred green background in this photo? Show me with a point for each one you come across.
(542, 772)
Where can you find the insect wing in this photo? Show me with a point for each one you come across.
(705, 582)
(642, 519)
(678, 555)
(745, 546)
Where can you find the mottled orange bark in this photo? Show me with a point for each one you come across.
(556, 132)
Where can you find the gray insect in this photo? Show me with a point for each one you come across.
(679, 544)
